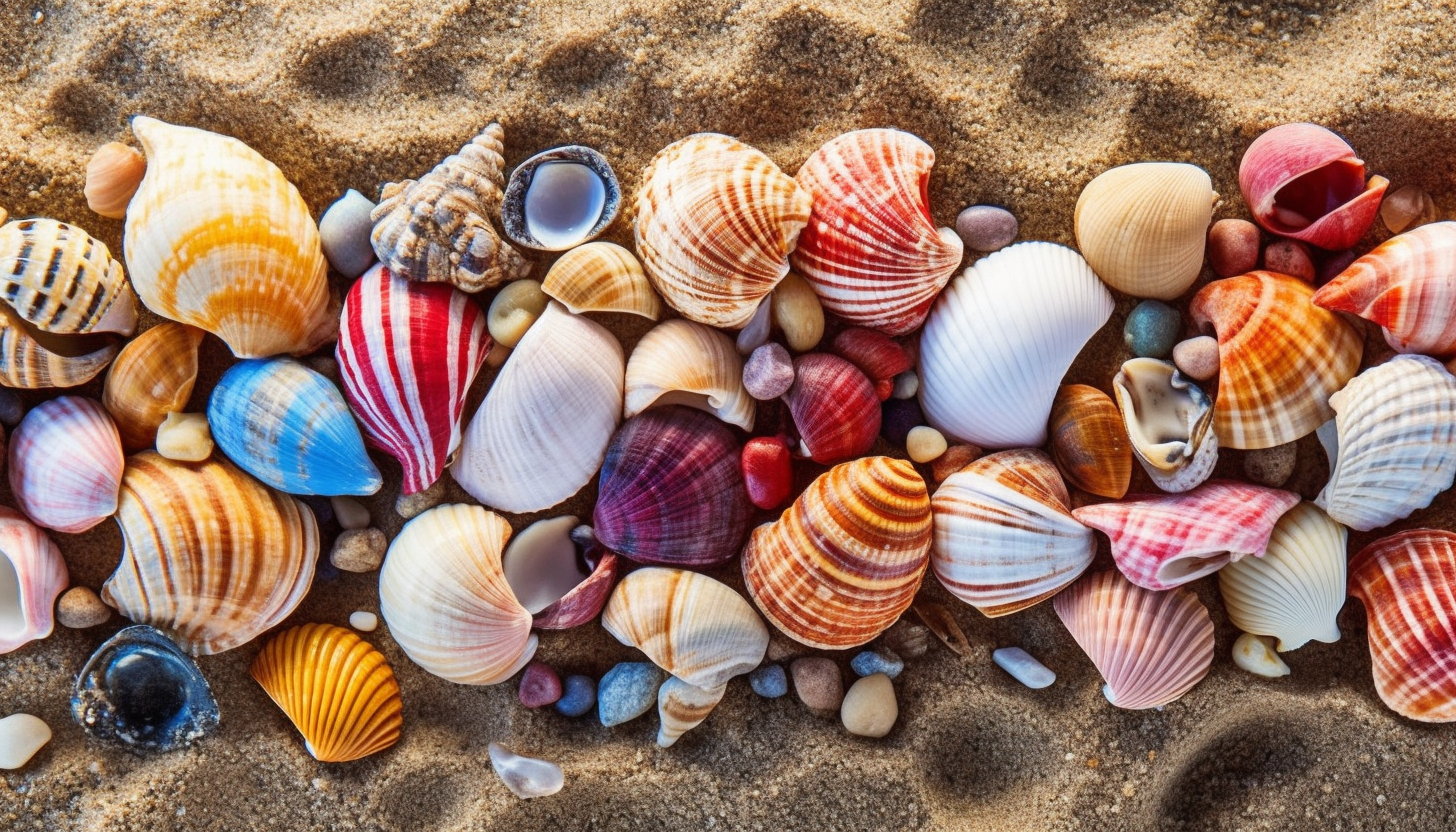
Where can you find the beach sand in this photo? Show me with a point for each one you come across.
(1024, 102)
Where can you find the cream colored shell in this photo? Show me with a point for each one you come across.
(681, 362)
(1295, 591)
(1168, 421)
(1142, 227)
(682, 707)
(602, 277)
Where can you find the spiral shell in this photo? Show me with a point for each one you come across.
(32, 574)
(66, 464)
(682, 707)
(1295, 591)
(681, 362)
(602, 277)
(60, 279)
(834, 407)
(1303, 181)
(1088, 441)
(1142, 227)
(32, 359)
(151, 377)
(1167, 419)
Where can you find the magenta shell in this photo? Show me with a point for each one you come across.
(66, 464)
(836, 411)
(1305, 182)
(876, 354)
(581, 604)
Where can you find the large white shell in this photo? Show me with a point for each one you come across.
(1295, 591)
(681, 362)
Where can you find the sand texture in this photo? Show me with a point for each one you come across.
(1024, 102)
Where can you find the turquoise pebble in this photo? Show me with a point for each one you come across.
(628, 691)
(579, 695)
(871, 662)
(769, 681)
(1152, 329)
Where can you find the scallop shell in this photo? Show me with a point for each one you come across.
(845, 560)
(218, 238)
(151, 377)
(1303, 181)
(1089, 443)
(602, 277)
(1142, 227)
(62, 280)
(681, 362)
(66, 464)
(870, 250)
(875, 354)
(1280, 358)
(336, 689)
(716, 220)
(32, 359)
(1000, 338)
(1295, 591)
(1005, 538)
(212, 557)
(1167, 419)
(835, 409)
(682, 707)
(32, 575)
(543, 429)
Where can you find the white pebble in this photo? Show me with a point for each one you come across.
(925, 444)
(185, 437)
(526, 777)
(907, 384)
(1023, 667)
(351, 514)
(364, 622)
(869, 708)
(21, 735)
(1256, 655)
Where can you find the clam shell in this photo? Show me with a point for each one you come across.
(1142, 227)
(875, 354)
(1295, 591)
(32, 359)
(870, 250)
(1088, 441)
(1303, 181)
(1167, 418)
(1407, 286)
(112, 175)
(562, 196)
(602, 277)
(835, 409)
(32, 575)
(682, 707)
(66, 464)
(151, 377)
(681, 362)
(60, 279)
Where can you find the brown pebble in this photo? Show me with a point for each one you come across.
(1233, 247)
(1197, 358)
(954, 459)
(351, 514)
(1289, 257)
(1332, 265)
(410, 506)
(818, 684)
(869, 708)
(80, 608)
(907, 639)
(1406, 208)
(1271, 466)
(781, 649)
(359, 550)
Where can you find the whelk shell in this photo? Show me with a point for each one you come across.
(1303, 181)
(1142, 227)
(681, 362)
(1295, 591)
(1089, 443)
(33, 359)
(835, 410)
(682, 707)
(602, 277)
(62, 280)
(32, 575)
(1167, 419)
(66, 464)
(151, 377)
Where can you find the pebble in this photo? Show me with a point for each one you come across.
(767, 471)
(1271, 466)
(1197, 358)
(325, 365)
(907, 384)
(184, 437)
(1256, 655)
(21, 735)
(870, 662)
(526, 777)
(540, 686)
(1290, 257)
(769, 681)
(516, 306)
(769, 372)
(818, 683)
(781, 649)
(1023, 667)
(907, 639)
(954, 459)
(897, 418)
(1407, 208)
(925, 444)
(1151, 329)
(80, 608)
(410, 506)
(797, 312)
(359, 550)
(628, 691)
(578, 695)
(755, 333)
(584, 536)
(363, 621)
(344, 230)
(986, 227)
(351, 514)
(12, 410)
(1233, 247)
(869, 708)
(496, 358)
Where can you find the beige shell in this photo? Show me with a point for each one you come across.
(32, 359)
(681, 362)
(1295, 591)
(682, 707)
(1168, 420)
(112, 176)
(152, 377)
(62, 280)
(1142, 227)
(602, 277)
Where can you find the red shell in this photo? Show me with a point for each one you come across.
(876, 354)
(581, 604)
(767, 471)
(835, 409)
(1305, 182)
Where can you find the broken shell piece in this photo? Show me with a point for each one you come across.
(141, 691)
(560, 198)
(556, 584)
(1256, 655)
(526, 777)
(1167, 419)
(682, 707)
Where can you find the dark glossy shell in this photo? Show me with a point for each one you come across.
(141, 691)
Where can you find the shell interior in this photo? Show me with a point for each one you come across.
(140, 690)
(12, 612)
(560, 198)
(542, 565)
(1166, 415)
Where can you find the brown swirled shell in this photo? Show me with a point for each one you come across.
(153, 376)
(1088, 441)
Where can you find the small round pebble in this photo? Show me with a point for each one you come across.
(12, 410)
(1271, 466)
(628, 691)
(540, 685)
(513, 310)
(360, 550)
(80, 608)
(1152, 328)
(1289, 257)
(986, 227)
(818, 683)
(410, 506)
(798, 313)
(769, 372)
(925, 444)
(184, 437)
(364, 621)
(1406, 208)
(344, 230)
(769, 681)
(954, 459)
(1023, 667)
(907, 384)
(1197, 358)
(781, 649)
(1233, 247)
(351, 514)
(897, 418)
(578, 695)
(870, 662)
(21, 735)
(869, 708)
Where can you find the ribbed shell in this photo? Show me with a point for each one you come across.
(151, 377)
(1142, 227)
(1392, 444)
(65, 464)
(681, 362)
(1166, 417)
(682, 707)
(32, 574)
(32, 360)
(1088, 441)
(218, 238)
(1005, 538)
(1280, 358)
(445, 598)
(335, 688)
(1295, 591)
(213, 557)
(63, 280)
(845, 560)
(716, 220)
(871, 250)
(408, 353)
(1303, 181)
(875, 354)
(602, 277)
(835, 408)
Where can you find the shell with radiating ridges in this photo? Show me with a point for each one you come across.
(32, 562)
(835, 409)
(602, 277)
(681, 362)
(66, 464)
(682, 707)
(31, 359)
(152, 376)
(60, 279)
(1167, 418)
(1295, 591)
(1089, 443)
(1303, 181)
(1142, 226)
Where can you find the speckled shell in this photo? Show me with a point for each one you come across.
(218, 238)
(682, 707)
(335, 688)
(1167, 418)
(61, 279)
(1142, 227)
(213, 557)
(1280, 358)
(871, 250)
(681, 362)
(151, 377)
(1295, 591)
(602, 277)
(31, 359)
(1303, 181)
(1088, 441)
(716, 220)
(1407, 286)
(65, 464)
(845, 560)
(835, 409)
(32, 575)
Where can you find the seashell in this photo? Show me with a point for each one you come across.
(1256, 655)
(871, 250)
(289, 426)
(756, 332)
(1150, 647)
(62, 280)
(1142, 227)
(543, 429)
(212, 557)
(602, 277)
(113, 174)
(1392, 443)
(1295, 591)
(681, 362)
(846, 558)
(437, 229)
(1163, 541)
(141, 691)
(216, 236)
(671, 491)
(152, 376)
(1088, 441)
(1167, 418)
(1000, 338)
(834, 407)
(408, 353)
(876, 355)
(1303, 181)
(1280, 358)
(560, 198)
(559, 586)
(690, 625)
(336, 689)
(682, 707)
(444, 594)
(1005, 538)
(1405, 583)
(66, 464)
(32, 359)
(32, 575)
(1407, 286)
(715, 222)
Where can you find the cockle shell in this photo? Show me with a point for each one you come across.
(1280, 358)
(846, 558)
(407, 354)
(834, 407)
(1142, 227)
(1163, 541)
(1005, 538)
(543, 429)
(151, 377)
(1088, 441)
(1392, 443)
(1295, 591)
(218, 238)
(1303, 181)
(62, 280)
(1150, 647)
(32, 575)
(336, 689)
(602, 277)
(690, 625)
(877, 355)
(444, 594)
(871, 250)
(438, 229)
(682, 707)
(681, 362)
(65, 464)
(213, 557)
(716, 220)
(1167, 419)
(1000, 338)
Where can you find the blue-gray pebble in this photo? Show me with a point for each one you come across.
(769, 681)
(1152, 329)
(871, 662)
(628, 691)
(578, 695)
(344, 231)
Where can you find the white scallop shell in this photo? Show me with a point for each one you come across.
(682, 362)
(1295, 591)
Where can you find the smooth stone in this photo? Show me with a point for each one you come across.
(141, 690)
(870, 662)
(359, 550)
(540, 685)
(1233, 247)
(769, 681)
(1271, 466)
(907, 639)
(1406, 208)
(1256, 655)
(925, 444)
(344, 231)
(410, 506)
(563, 203)
(628, 691)
(769, 372)
(768, 473)
(1151, 329)
(12, 409)
(907, 384)
(781, 649)
(363, 621)
(513, 310)
(1197, 357)
(80, 608)
(185, 437)
(21, 735)
(1023, 667)
(526, 777)
(986, 227)
(755, 333)
(869, 708)
(897, 418)
(1289, 257)
(351, 514)
(818, 683)
(798, 313)
(1331, 265)
(578, 695)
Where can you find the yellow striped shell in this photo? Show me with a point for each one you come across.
(681, 362)
(60, 279)
(602, 277)
(1295, 591)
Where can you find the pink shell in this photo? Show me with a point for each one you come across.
(876, 354)
(1407, 286)
(66, 463)
(40, 575)
(408, 352)
(835, 409)
(582, 604)
(870, 250)
(1305, 182)
(1150, 647)
(1167, 540)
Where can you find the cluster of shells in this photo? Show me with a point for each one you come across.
(693, 437)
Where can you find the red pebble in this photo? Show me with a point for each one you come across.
(1289, 257)
(1233, 247)
(766, 471)
(876, 354)
(540, 685)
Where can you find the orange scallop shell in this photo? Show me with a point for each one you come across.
(1089, 443)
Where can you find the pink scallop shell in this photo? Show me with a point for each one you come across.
(40, 576)
(66, 463)
(835, 409)
(1305, 182)
(1407, 286)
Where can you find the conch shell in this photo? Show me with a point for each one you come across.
(1303, 181)
(66, 464)
(681, 362)
(602, 277)
(152, 377)
(1407, 286)
(1142, 227)
(32, 575)
(1167, 418)
(1089, 443)
(1295, 591)
(682, 707)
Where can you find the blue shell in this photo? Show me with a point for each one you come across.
(140, 690)
(290, 427)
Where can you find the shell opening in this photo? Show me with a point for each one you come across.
(12, 617)
(1191, 568)
(66, 346)
(1166, 415)
(1316, 193)
(542, 564)
(563, 203)
(697, 401)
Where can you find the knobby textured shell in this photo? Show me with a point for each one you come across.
(66, 464)
(682, 707)
(32, 359)
(835, 409)
(1088, 441)
(61, 279)
(151, 377)
(681, 362)
(1005, 538)
(1295, 591)
(1303, 181)
(212, 557)
(716, 220)
(871, 250)
(1168, 419)
(1280, 358)
(602, 277)
(32, 575)
(1000, 338)
(1142, 227)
